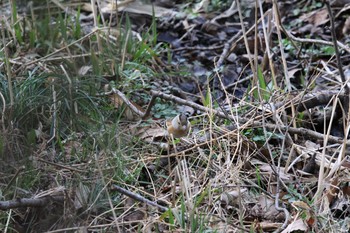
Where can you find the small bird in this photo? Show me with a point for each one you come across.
(179, 126)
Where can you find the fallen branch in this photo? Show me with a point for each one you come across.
(30, 202)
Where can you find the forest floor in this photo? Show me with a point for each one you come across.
(90, 96)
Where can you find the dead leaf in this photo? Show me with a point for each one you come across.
(136, 215)
(81, 199)
(346, 27)
(84, 69)
(267, 168)
(311, 221)
(332, 190)
(297, 225)
(310, 166)
(232, 197)
(317, 17)
(301, 204)
(152, 133)
(202, 6)
(346, 190)
(265, 208)
(292, 72)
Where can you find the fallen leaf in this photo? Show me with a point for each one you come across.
(301, 204)
(317, 17)
(297, 225)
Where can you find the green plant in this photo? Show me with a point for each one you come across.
(258, 135)
(263, 91)
(164, 110)
(188, 220)
(59, 128)
(17, 26)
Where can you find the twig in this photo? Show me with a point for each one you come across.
(200, 48)
(229, 12)
(141, 114)
(149, 107)
(227, 46)
(315, 99)
(127, 102)
(138, 197)
(314, 41)
(3, 111)
(54, 115)
(59, 165)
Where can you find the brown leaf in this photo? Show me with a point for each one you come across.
(151, 134)
(265, 208)
(346, 27)
(310, 167)
(311, 221)
(346, 190)
(317, 17)
(267, 168)
(333, 190)
(231, 198)
(302, 205)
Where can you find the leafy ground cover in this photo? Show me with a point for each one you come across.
(87, 87)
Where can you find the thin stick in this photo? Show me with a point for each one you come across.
(54, 115)
(3, 111)
(127, 102)
(141, 114)
(314, 41)
(138, 197)
(149, 107)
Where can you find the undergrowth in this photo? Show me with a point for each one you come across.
(60, 133)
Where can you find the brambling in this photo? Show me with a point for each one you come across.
(179, 126)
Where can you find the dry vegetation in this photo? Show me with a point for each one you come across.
(85, 92)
